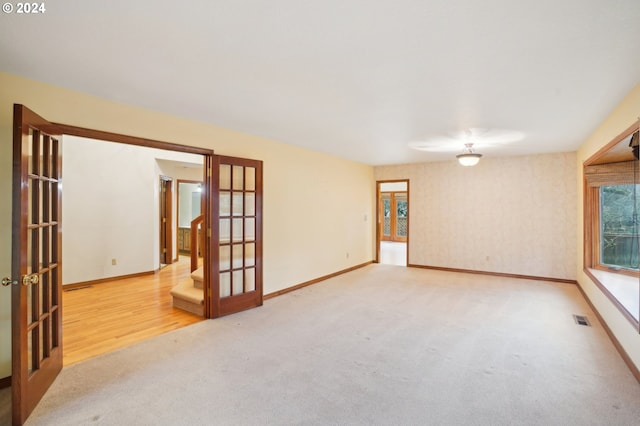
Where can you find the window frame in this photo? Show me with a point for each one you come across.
(592, 212)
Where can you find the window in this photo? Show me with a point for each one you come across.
(612, 222)
(619, 226)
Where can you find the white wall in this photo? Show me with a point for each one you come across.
(110, 208)
(511, 215)
(317, 208)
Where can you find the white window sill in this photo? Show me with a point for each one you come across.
(625, 288)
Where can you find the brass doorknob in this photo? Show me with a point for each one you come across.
(30, 279)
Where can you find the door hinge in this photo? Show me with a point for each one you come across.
(209, 232)
(208, 171)
(164, 250)
(164, 220)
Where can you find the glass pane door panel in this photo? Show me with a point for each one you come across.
(48, 163)
(42, 352)
(30, 260)
(40, 205)
(44, 254)
(46, 202)
(30, 150)
(30, 194)
(39, 290)
(237, 256)
(237, 208)
(249, 204)
(55, 338)
(237, 233)
(250, 229)
(386, 214)
(225, 203)
(250, 254)
(250, 178)
(41, 153)
(225, 284)
(54, 287)
(30, 351)
(29, 305)
(238, 178)
(250, 279)
(225, 230)
(54, 202)
(401, 218)
(225, 177)
(238, 282)
(225, 258)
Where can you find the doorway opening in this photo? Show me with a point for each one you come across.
(120, 271)
(392, 233)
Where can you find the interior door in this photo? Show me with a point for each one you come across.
(237, 229)
(394, 212)
(166, 235)
(36, 261)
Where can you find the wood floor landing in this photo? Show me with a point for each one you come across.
(112, 315)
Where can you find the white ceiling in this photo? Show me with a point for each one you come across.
(359, 79)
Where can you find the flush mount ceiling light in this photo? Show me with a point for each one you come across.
(475, 137)
(468, 157)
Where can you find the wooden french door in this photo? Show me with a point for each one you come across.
(36, 261)
(394, 212)
(237, 235)
(166, 234)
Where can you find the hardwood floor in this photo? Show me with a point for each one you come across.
(112, 315)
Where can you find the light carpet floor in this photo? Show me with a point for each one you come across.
(383, 345)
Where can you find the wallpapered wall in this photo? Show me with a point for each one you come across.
(512, 215)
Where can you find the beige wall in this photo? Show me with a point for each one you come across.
(510, 215)
(623, 116)
(317, 208)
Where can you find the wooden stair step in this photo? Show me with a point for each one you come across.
(187, 297)
(198, 277)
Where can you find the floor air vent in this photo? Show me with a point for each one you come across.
(581, 320)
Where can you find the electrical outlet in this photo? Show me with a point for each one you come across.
(347, 255)
(113, 262)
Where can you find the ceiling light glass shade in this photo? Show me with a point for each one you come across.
(468, 159)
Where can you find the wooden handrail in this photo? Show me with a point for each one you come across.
(195, 247)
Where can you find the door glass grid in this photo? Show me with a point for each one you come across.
(42, 248)
(394, 209)
(237, 210)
